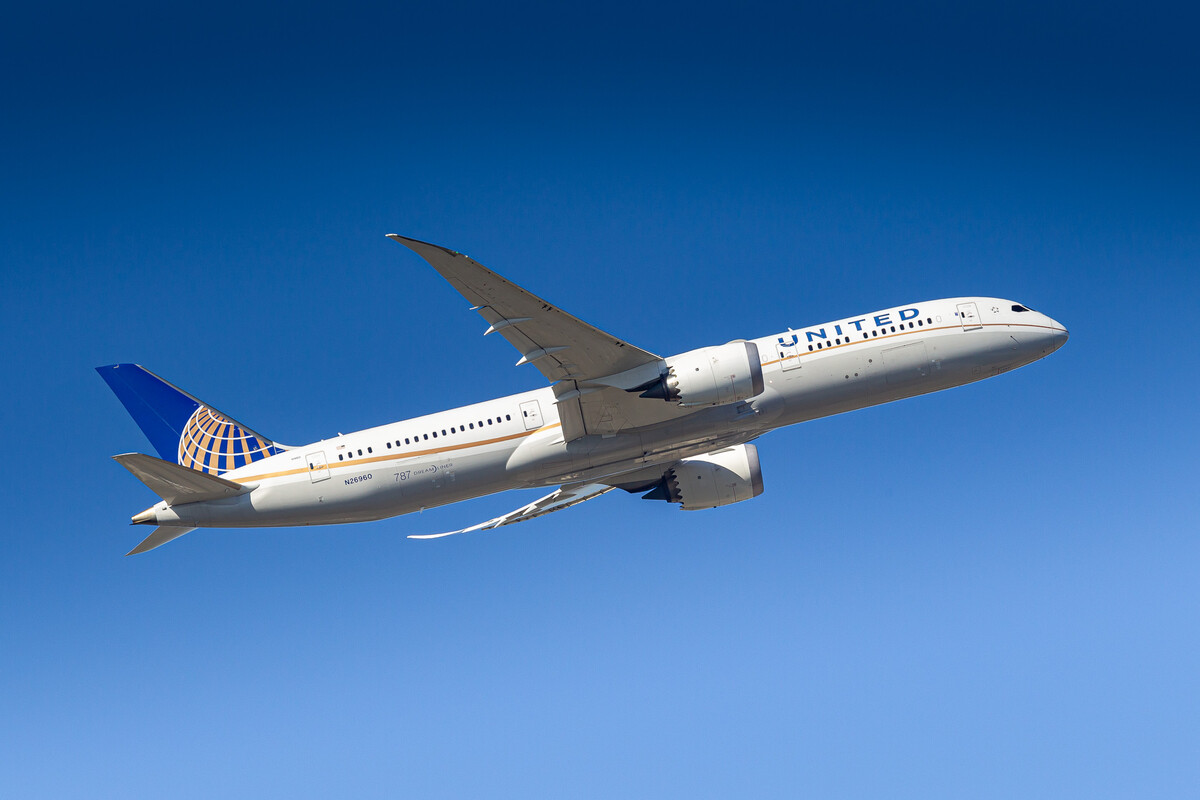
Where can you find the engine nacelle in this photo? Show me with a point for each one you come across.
(710, 376)
(713, 479)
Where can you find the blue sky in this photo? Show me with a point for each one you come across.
(989, 592)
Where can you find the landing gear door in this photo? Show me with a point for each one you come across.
(318, 470)
(531, 413)
(968, 315)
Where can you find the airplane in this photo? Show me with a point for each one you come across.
(678, 429)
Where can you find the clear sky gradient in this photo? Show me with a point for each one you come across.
(989, 592)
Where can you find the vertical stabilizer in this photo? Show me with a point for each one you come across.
(183, 429)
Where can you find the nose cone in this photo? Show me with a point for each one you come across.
(1056, 334)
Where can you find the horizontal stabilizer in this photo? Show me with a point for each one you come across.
(175, 484)
(160, 537)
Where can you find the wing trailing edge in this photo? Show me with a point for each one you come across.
(561, 498)
(560, 346)
(590, 369)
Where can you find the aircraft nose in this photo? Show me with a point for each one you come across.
(1056, 334)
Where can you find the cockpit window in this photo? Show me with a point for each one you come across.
(1021, 308)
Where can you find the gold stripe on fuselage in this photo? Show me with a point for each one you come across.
(522, 434)
(393, 456)
(898, 334)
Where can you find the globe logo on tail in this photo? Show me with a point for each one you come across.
(213, 443)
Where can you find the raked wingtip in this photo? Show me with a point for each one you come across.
(432, 535)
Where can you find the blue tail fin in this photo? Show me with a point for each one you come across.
(182, 429)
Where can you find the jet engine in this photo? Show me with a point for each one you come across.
(713, 479)
(710, 376)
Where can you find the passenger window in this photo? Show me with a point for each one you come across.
(426, 437)
(389, 444)
(489, 420)
(508, 417)
(360, 451)
(369, 450)
(339, 456)
(435, 434)
(810, 347)
(893, 329)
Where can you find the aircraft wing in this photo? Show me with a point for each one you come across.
(562, 347)
(561, 498)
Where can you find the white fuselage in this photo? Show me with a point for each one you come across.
(516, 441)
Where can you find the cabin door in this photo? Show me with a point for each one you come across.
(318, 470)
(789, 353)
(968, 315)
(531, 413)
